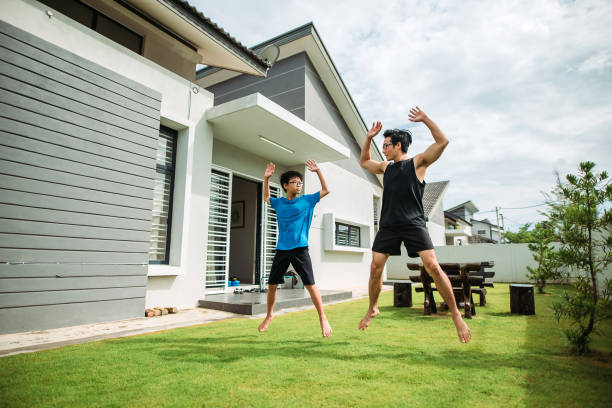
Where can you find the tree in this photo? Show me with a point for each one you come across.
(582, 218)
(545, 254)
(522, 236)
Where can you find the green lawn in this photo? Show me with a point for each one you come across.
(403, 359)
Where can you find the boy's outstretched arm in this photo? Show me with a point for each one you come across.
(267, 174)
(314, 167)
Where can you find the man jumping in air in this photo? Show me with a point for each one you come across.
(294, 215)
(402, 218)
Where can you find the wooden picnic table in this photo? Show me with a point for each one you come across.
(466, 279)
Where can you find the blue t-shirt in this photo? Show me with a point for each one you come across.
(294, 217)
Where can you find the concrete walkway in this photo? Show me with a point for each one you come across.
(17, 343)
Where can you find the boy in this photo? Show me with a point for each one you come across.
(294, 215)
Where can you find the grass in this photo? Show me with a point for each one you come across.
(403, 359)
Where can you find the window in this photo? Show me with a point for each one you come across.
(162, 196)
(348, 235)
(98, 22)
(376, 200)
(482, 232)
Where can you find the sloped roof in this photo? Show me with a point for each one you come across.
(471, 207)
(433, 194)
(221, 33)
(455, 217)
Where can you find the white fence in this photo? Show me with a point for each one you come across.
(511, 261)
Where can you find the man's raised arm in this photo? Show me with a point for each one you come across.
(366, 159)
(433, 152)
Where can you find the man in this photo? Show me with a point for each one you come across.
(402, 217)
(294, 215)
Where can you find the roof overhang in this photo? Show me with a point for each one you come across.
(256, 124)
(306, 39)
(213, 45)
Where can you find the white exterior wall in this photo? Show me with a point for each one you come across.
(181, 283)
(350, 200)
(436, 233)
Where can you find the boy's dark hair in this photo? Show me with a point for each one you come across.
(399, 135)
(288, 175)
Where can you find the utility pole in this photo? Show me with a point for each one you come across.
(503, 227)
(497, 216)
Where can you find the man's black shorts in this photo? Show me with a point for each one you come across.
(299, 258)
(389, 239)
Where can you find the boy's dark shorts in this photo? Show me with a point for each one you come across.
(389, 240)
(299, 258)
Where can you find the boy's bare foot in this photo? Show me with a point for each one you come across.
(463, 331)
(365, 322)
(375, 312)
(326, 329)
(264, 325)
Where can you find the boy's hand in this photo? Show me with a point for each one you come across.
(376, 127)
(269, 170)
(417, 115)
(312, 165)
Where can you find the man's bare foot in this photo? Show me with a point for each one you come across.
(264, 325)
(463, 331)
(365, 322)
(375, 312)
(326, 329)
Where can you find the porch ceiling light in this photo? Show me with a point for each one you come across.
(276, 144)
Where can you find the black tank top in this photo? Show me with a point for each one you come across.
(402, 203)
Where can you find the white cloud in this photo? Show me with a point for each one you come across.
(523, 89)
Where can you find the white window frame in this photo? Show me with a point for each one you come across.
(329, 234)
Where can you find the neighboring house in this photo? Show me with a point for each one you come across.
(127, 182)
(481, 231)
(485, 231)
(458, 231)
(433, 207)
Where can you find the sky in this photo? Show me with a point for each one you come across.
(522, 89)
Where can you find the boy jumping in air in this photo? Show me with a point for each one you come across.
(294, 215)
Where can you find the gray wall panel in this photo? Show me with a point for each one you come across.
(12, 285)
(72, 118)
(78, 147)
(28, 44)
(9, 300)
(50, 128)
(70, 270)
(70, 92)
(78, 156)
(9, 154)
(50, 316)
(50, 98)
(72, 204)
(21, 212)
(11, 226)
(284, 85)
(70, 179)
(76, 81)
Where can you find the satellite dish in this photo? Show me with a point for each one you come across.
(269, 54)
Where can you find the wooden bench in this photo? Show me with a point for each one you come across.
(466, 279)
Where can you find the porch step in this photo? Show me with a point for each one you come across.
(255, 303)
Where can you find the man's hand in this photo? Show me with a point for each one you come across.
(312, 165)
(417, 115)
(376, 127)
(269, 170)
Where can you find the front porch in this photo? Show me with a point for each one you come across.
(252, 303)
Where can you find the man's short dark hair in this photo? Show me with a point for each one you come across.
(399, 135)
(288, 175)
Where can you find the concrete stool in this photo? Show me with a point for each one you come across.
(402, 294)
(522, 299)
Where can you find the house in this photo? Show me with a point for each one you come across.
(128, 181)
(462, 228)
(433, 207)
(458, 231)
